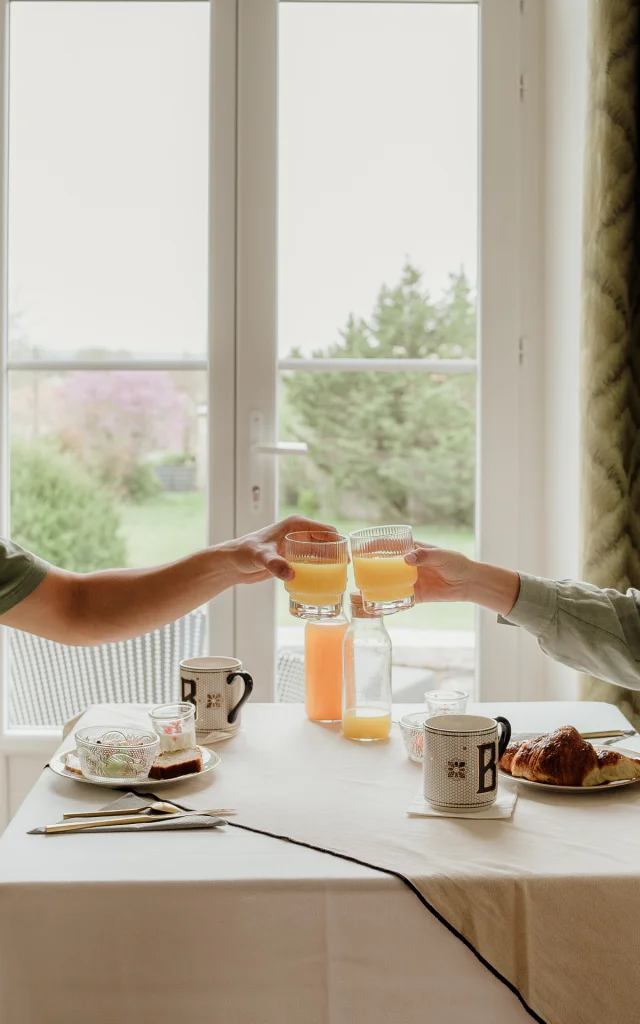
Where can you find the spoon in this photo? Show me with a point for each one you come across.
(157, 807)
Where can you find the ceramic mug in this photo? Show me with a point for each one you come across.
(217, 687)
(461, 754)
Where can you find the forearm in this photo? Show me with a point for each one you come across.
(120, 603)
(493, 587)
(101, 607)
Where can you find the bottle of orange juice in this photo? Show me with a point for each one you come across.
(323, 668)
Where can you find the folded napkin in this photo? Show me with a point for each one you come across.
(502, 808)
(133, 801)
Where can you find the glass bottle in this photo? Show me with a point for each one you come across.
(323, 668)
(366, 694)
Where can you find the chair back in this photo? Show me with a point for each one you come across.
(50, 682)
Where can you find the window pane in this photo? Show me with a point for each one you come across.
(377, 258)
(108, 179)
(108, 468)
(377, 157)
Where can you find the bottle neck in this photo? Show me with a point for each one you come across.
(369, 624)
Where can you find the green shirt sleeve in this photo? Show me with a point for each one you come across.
(20, 574)
(592, 630)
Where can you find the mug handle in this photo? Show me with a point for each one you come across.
(505, 735)
(248, 687)
(189, 693)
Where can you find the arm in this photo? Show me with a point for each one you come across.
(99, 607)
(592, 630)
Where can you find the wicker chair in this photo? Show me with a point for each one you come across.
(290, 688)
(51, 683)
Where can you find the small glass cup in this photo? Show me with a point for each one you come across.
(446, 702)
(175, 725)
(383, 577)
(319, 561)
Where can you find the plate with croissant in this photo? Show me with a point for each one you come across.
(565, 762)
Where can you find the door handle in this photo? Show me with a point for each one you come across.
(259, 448)
(281, 448)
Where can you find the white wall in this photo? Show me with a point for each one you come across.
(564, 63)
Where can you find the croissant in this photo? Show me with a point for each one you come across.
(563, 758)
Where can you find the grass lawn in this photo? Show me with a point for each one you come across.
(170, 525)
(173, 524)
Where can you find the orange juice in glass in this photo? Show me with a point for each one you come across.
(382, 576)
(319, 561)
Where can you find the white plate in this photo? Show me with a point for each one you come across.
(210, 760)
(550, 788)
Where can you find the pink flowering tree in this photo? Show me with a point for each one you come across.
(114, 419)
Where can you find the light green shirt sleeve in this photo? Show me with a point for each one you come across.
(20, 574)
(592, 630)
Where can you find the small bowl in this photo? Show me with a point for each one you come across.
(412, 729)
(107, 753)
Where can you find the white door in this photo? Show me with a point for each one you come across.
(378, 202)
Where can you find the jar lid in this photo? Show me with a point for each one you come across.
(357, 606)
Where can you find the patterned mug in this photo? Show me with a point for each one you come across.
(461, 754)
(217, 687)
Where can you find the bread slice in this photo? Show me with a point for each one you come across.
(72, 764)
(174, 763)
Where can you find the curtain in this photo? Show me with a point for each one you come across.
(610, 491)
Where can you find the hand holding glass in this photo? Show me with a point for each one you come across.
(319, 561)
(383, 577)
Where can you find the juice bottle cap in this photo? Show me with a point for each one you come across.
(357, 606)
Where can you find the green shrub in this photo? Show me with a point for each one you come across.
(141, 483)
(176, 459)
(308, 504)
(60, 512)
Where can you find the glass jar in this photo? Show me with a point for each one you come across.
(323, 640)
(366, 694)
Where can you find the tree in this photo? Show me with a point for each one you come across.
(392, 445)
(112, 420)
(59, 511)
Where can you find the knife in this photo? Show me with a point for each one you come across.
(602, 734)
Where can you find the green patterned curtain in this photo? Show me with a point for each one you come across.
(610, 316)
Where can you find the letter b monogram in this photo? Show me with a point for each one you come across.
(486, 767)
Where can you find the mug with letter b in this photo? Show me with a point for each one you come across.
(461, 754)
(217, 687)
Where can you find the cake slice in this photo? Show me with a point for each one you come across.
(72, 764)
(174, 763)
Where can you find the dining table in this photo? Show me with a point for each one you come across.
(258, 921)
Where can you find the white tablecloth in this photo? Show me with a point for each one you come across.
(226, 925)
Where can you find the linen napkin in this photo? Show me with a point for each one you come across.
(132, 800)
(502, 808)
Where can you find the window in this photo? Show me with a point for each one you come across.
(107, 267)
(233, 225)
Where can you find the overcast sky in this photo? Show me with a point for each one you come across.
(108, 175)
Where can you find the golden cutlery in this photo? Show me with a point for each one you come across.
(157, 807)
(609, 733)
(135, 819)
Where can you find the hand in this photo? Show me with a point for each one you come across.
(442, 575)
(449, 576)
(260, 555)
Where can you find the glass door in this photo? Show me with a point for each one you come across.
(393, 147)
(377, 284)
